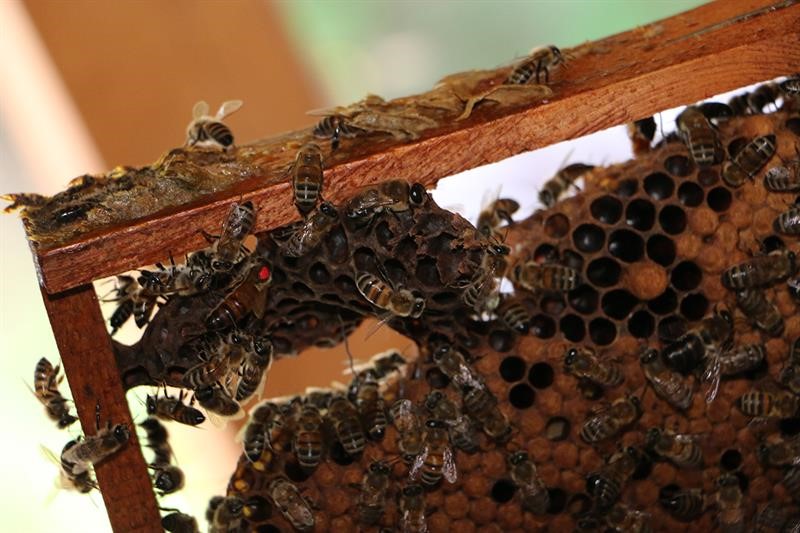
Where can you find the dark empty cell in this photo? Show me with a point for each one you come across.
(793, 125)
(552, 304)
(501, 340)
(319, 274)
(558, 500)
(618, 303)
(583, 299)
(588, 238)
(678, 165)
(603, 272)
(643, 468)
(503, 490)
(278, 276)
(557, 428)
(543, 326)
(641, 325)
(719, 199)
(694, 307)
(345, 284)
(286, 303)
(439, 244)
(641, 214)
(744, 481)
(665, 303)
(606, 209)
(330, 297)
(431, 224)
(302, 289)
(290, 263)
(545, 253)
(730, 459)
(406, 250)
(667, 492)
(671, 328)
(436, 378)
(395, 271)
(736, 145)
(383, 233)
(659, 186)
(690, 194)
(428, 273)
(573, 328)
(772, 243)
(445, 298)
(626, 245)
(339, 455)
(602, 331)
(336, 243)
(572, 259)
(295, 473)
(789, 426)
(686, 276)
(556, 226)
(661, 249)
(672, 219)
(707, 177)
(521, 396)
(627, 188)
(512, 368)
(541, 375)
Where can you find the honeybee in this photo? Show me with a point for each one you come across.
(178, 522)
(684, 505)
(540, 60)
(307, 442)
(533, 493)
(788, 222)
(307, 178)
(399, 302)
(668, 385)
(157, 440)
(226, 516)
(548, 277)
(125, 294)
(783, 452)
(641, 133)
(310, 234)
(206, 131)
(714, 335)
(93, 449)
(605, 485)
(514, 315)
(335, 127)
(215, 399)
(394, 195)
(170, 408)
(791, 86)
(72, 475)
(481, 404)
(771, 519)
(255, 366)
(729, 502)
(292, 505)
(255, 436)
(760, 311)
(247, 298)
(370, 404)
(493, 215)
(749, 161)
(773, 404)
(761, 271)
(460, 427)
(481, 293)
(584, 365)
(609, 421)
(794, 288)
(624, 519)
(208, 371)
(565, 178)
(385, 363)
(453, 365)
(372, 498)
(45, 386)
(412, 509)
(167, 478)
(699, 136)
(436, 459)
(681, 450)
(731, 363)
(762, 96)
(784, 178)
(228, 249)
(344, 419)
(409, 429)
(791, 480)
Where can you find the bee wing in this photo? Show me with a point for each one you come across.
(200, 110)
(712, 375)
(419, 460)
(328, 111)
(449, 466)
(386, 317)
(227, 108)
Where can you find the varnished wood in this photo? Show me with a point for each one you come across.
(676, 61)
(88, 360)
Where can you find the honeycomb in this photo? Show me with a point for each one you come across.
(650, 239)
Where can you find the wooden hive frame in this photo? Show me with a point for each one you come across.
(712, 49)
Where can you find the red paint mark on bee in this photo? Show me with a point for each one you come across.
(264, 274)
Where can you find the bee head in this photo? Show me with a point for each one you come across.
(234, 505)
(517, 458)
(169, 479)
(433, 399)
(197, 417)
(221, 266)
(546, 197)
(204, 393)
(418, 308)
(66, 420)
(121, 433)
(435, 424)
(417, 194)
(412, 490)
(652, 436)
(556, 54)
(648, 356)
(569, 359)
(327, 209)
(150, 403)
(379, 467)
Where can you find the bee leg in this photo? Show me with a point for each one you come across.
(97, 416)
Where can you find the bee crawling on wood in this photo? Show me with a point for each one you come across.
(46, 380)
(538, 62)
(93, 449)
(205, 131)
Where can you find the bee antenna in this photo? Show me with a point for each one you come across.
(347, 346)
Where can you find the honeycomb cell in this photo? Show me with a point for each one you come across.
(339, 455)
(719, 199)
(258, 509)
(268, 528)
(436, 378)
(793, 125)
(690, 194)
(543, 326)
(588, 238)
(618, 303)
(659, 186)
(294, 472)
(521, 396)
(686, 276)
(384, 234)
(602, 331)
(512, 368)
(558, 500)
(664, 304)
(552, 304)
(603, 272)
(606, 209)
(545, 253)
(319, 273)
(572, 259)
(556, 226)
(626, 245)
(672, 219)
(627, 188)
(736, 145)
(445, 298)
(336, 244)
(643, 469)
(707, 177)
(730, 459)
(345, 284)
(694, 306)
(557, 428)
(678, 165)
(541, 375)
(661, 250)
(583, 299)
(501, 340)
(772, 243)
(789, 427)
(503, 490)
(641, 325)
(671, 327)
(573, 328)
(640, 214)
(301, 289)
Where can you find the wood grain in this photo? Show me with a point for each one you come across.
(89, 363)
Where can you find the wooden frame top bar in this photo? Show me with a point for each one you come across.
(714, 48)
